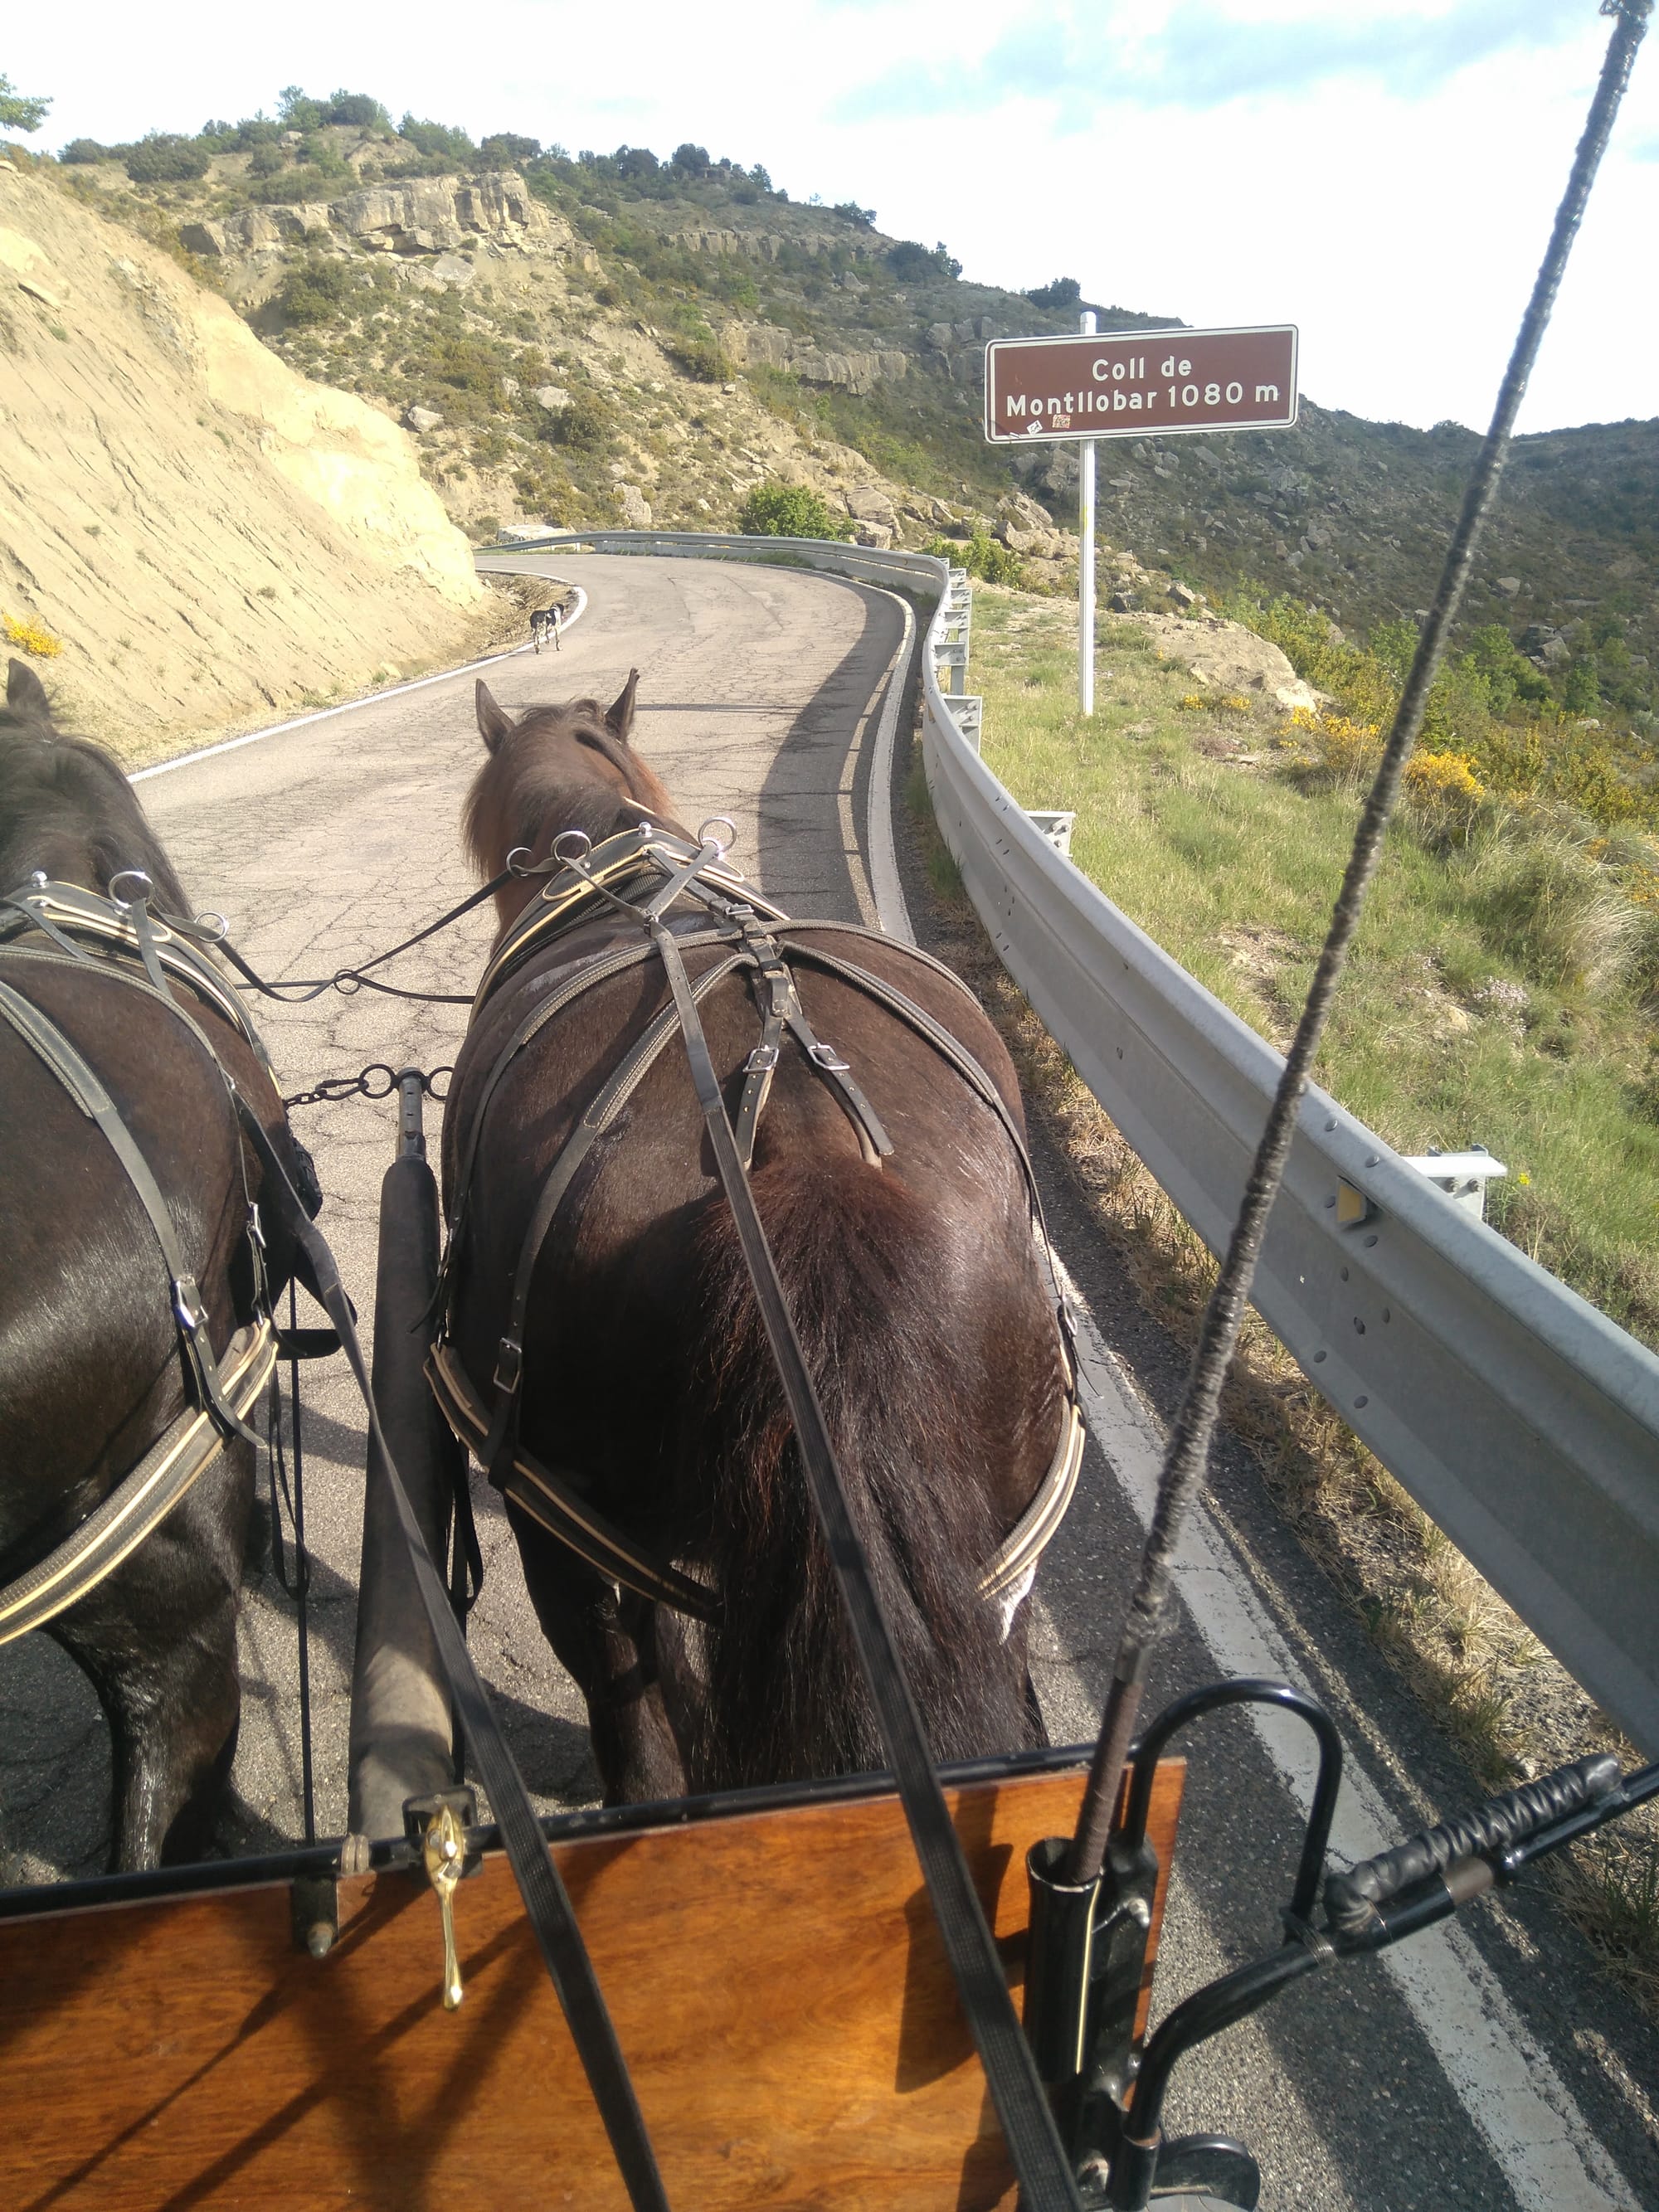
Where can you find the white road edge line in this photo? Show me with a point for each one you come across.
(372, 699)
(1528, 2118)
(892, 914)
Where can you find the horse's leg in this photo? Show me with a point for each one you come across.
(158, 1641)
(607, 1647)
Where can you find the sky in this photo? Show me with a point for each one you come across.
(1383, 174)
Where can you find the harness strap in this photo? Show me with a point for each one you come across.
(555, 1500)
(50, 1045)
(546, 1902)
(1028, 2126)
(586, 978)
(608, 1102)
(142, 1500)
(68, 914)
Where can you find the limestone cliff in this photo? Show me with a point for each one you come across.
(211, 536)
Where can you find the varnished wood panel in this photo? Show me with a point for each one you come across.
(777, 1986)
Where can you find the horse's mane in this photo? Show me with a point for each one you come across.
(530, 781)
(58, 790)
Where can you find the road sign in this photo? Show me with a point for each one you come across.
(1136, 384)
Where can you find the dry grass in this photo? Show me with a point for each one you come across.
(1512, 1709)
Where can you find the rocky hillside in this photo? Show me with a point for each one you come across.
(202, 536)
(617, 338)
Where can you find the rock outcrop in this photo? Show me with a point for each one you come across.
(766, 345)
(423, 215)
(772, 245)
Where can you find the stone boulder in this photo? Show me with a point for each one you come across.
(1225, 657)
(879, 535)
(869, 503)
(635, 508)
(424, 418)
(553, 397)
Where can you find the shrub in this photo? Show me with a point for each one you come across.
(994, 563)
(506, 149)
(437, 140)
(162, 158)
(1063, 292)
(586, 424)
(913, 265)
(700, 356)
(314, 292)
(357, 109)
(84, 149)
(30, 636)
(785, 510)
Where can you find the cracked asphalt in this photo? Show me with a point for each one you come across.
(758, 692)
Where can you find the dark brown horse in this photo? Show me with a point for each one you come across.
(913, 1281)
(91, 1370)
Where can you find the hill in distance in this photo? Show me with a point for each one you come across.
(619, 338)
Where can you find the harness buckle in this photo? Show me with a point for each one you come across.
(826, 1056)
(255, 1226)
(509, 1365)
(187, 1305)
(762, 1060)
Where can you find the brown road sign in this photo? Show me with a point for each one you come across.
(1129, 383)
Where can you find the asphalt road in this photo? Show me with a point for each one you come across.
(757, 700)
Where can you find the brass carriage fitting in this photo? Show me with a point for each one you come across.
(443, 1852)
(436, 1826)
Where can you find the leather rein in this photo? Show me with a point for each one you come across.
(103, 935)
(643, 873)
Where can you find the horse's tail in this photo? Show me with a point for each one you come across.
(900, 1348)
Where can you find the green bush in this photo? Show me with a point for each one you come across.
(84, 149)
(785, 510)
(700, 357)
(587, 423)
(314, 292)
(163, 158)
(981, 556)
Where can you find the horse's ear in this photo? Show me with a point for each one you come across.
(619, 715)
(494, 723)
(25, 693)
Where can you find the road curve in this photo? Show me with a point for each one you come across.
(758, 699)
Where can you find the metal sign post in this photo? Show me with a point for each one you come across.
(1132, 384)
(1085, 557)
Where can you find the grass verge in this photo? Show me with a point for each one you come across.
(1511, 1708)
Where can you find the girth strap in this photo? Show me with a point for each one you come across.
(555, 1500)
(142, 1500)
(50, 1045)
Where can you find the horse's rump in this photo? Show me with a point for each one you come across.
(915, 1288)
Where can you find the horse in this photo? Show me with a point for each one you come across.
(913, 1277)
(92, 1359)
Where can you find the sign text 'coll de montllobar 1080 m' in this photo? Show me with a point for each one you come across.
(1128, 384)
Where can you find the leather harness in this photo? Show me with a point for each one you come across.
(660, 869)
(223, 1386)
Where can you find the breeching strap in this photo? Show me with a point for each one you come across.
(546, 1903)
(1044, 2173)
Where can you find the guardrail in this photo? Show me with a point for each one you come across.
(1522, 1421)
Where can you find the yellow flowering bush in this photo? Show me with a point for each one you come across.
(30, 637)
(1444, 776)
(1331, 745)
